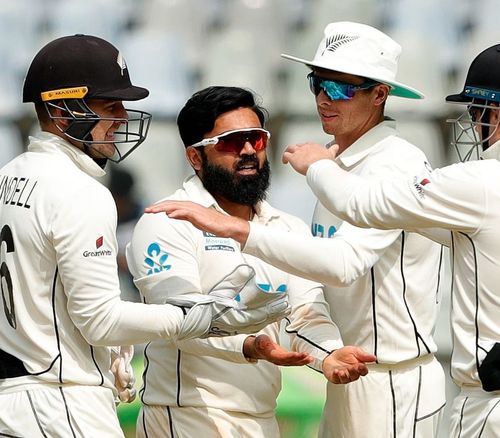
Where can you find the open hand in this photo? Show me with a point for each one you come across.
(263, 347)
(347, 364)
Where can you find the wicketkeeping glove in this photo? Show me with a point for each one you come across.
(219, 314)
(123, 372)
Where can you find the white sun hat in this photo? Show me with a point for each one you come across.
(360, 50)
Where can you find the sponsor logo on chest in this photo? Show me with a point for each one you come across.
(214, 243)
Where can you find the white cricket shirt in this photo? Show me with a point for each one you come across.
(382, 285)
(61, 301)
(171, 257)
(462, 198)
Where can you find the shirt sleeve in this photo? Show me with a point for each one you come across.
(337, 261)
(451, 198)
(163, 260)
(84, 240)
(309, 325)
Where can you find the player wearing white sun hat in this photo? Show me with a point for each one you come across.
(382, 286)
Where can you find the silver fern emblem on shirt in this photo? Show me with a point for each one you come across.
(335, 41)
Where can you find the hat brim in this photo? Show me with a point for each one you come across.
(458, 98)
(397, 88)
(129, 93)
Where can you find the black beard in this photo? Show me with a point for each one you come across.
(244, 190)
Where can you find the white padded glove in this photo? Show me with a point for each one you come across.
(123, 372)
(219, 314)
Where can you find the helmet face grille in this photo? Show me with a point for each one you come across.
(471, 131)
(82, 120)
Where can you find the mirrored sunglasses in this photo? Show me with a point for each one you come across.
(234, 141)
(336, 90)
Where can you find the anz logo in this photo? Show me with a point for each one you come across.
(157, 259)
(318, 230)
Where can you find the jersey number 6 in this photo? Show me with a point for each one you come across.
(5, 278)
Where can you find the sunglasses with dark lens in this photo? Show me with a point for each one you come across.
(234, 141)
(336, 90)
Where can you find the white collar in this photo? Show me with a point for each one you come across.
(46, 141)
(493, 152)
(369, 140)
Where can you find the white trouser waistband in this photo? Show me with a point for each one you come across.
(403, 365)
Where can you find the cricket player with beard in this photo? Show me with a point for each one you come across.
(458, 206)
(382, 285)
(220, 387)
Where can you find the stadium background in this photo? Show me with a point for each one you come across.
(175, 47)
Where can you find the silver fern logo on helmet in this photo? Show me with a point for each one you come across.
(335, 41)
(120, 60)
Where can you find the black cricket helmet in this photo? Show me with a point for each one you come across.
(68, 71)
(472, 130)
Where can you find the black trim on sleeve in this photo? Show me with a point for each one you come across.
(439, 273)
(178, 369)
(374, 314)
(418, 336)
(309, 341)
(476, 292)
(144, 375)
(96, 365)
(56, 329)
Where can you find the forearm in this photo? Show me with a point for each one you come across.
(122, 322)
(311, 330)
(335, 262)
(228, 348)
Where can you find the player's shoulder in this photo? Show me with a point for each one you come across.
(475, 170)
(400, 148)
(283, 220)
(156, 222)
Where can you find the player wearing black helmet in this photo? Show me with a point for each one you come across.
(475, 131)
(81, 90)
(61, 309)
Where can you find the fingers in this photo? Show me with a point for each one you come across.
(333, 150)
(361, 355)
(347, 374)
(289, 151)
(267, 349)
(170, 207)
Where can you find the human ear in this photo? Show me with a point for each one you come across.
(194, 158)
(381, 93)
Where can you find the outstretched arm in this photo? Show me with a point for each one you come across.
(206, 219)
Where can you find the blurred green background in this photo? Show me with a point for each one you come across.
(299, 409)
